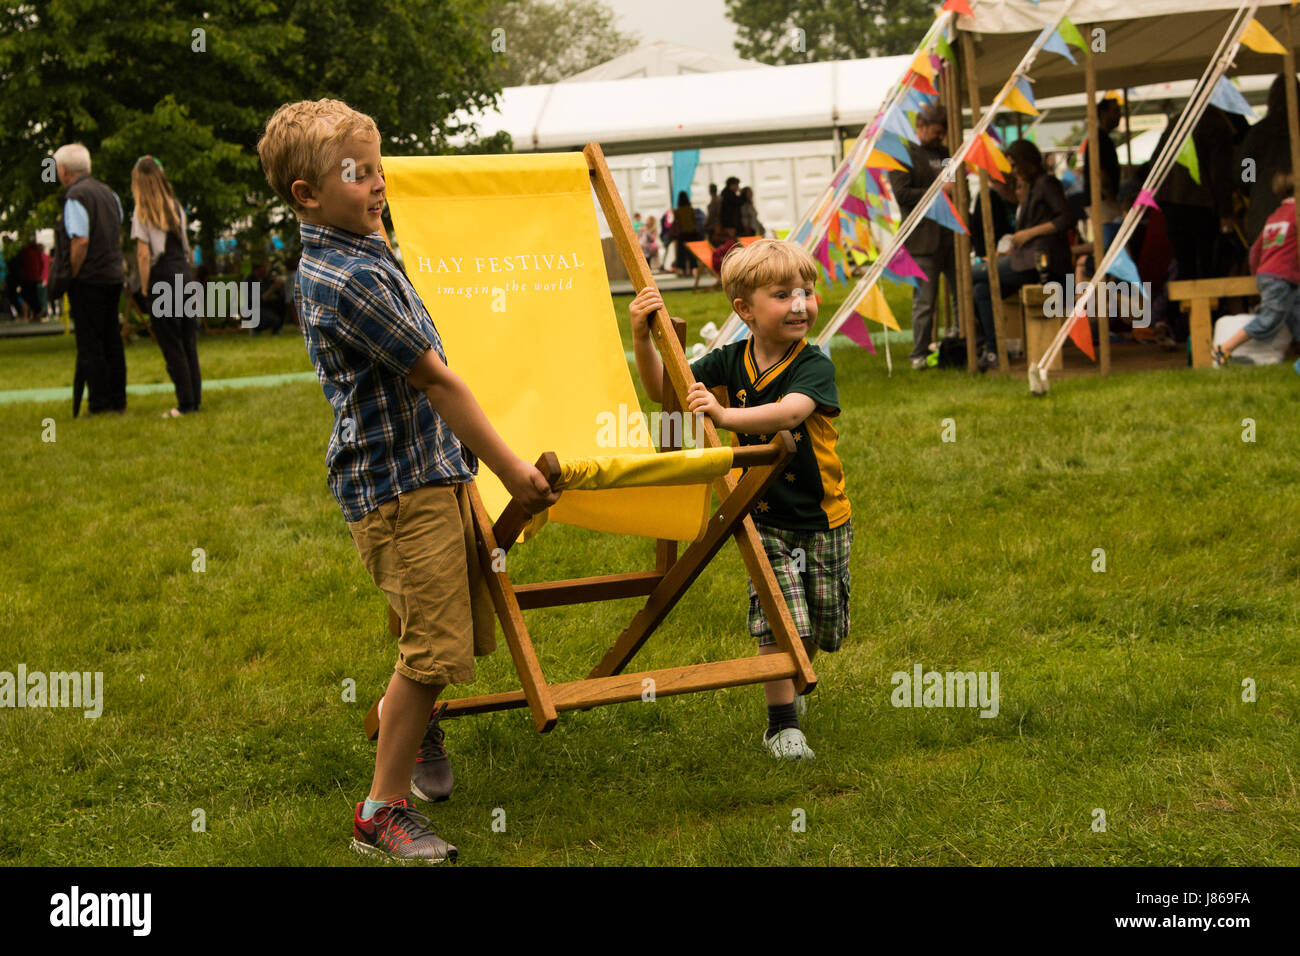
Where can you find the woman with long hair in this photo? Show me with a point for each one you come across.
(1040, 246)
(163, 255)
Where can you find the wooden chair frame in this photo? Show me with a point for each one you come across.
(664, 586)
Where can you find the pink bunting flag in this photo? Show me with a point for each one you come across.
(824, 254)
(904, 265)
(1146, 199)
(856, 329)
(855, 206)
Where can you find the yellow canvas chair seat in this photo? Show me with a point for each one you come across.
(506, 255)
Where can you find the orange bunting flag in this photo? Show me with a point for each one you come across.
(919, 81)
(1081, 335)
(879, 160)
(874, 307)
(978, 157)
(959, 6)
(994, 152)
(1260, 40)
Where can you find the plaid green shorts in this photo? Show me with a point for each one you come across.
(812, 568)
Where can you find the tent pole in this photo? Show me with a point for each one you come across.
(1292, 106)
(960, 241)
(986, 210)
(1094, 219)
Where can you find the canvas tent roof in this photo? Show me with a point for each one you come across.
(1167, 40)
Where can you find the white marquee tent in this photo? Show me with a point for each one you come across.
(732, 107)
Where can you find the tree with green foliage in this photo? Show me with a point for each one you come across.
(544, 42)
(805, 31)
(193, 84)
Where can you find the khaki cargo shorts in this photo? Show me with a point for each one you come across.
(419, 550)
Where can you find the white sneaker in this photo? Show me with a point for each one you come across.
(789, 744)
(918, 365)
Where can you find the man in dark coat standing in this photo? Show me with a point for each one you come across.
(88, 266)
(930, 244)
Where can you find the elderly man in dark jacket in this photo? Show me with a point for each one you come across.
(88, 266)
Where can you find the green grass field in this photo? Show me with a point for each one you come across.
(1120, 691)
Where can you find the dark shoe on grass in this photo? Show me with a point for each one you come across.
(432, 780)
(399, 831)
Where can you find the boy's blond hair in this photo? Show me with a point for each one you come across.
(747, 268)
(302, 141)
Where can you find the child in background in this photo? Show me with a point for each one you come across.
(650, 242)
(1277, 273)
(406, 439)
(776, 380)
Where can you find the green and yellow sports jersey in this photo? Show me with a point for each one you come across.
(810, 495)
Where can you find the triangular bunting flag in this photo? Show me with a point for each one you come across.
(1081, 335)
(1146, 199)
(1124, 269)
(1071, 35)
(1260, 40)
(892, 144)
(904, 265)
(994, 153)
(921, 83)
(879, 160)
(874, 307)
(895, 278)
(855, 205)
(823, 254)
(1228, 98)
(958, 6)
(858, 257)
(921, 64)
(942, 48)
(858, 186)
(1057, 45)
(1187, 157)
(856, 330)
(944, 213)
(978, 156)
(1015, 100)
(895, 122)
(914, 99)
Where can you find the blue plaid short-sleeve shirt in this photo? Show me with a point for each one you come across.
(365, 328)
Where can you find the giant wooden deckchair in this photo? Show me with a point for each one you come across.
(505, 253)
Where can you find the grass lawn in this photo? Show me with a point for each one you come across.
(1120, 690)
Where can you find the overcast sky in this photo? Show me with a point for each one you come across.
(701, 24)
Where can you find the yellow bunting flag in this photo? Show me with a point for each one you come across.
(873, 306)
(1015, 100)
(879, 160)
(995, 152)
(923, 66)
(1260, 40)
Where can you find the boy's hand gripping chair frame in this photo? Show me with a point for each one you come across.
(607, 683)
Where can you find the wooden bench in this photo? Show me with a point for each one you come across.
(1200, 296)
(1039, 329)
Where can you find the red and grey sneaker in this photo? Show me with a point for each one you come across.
(398, 830)
(431, 778)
